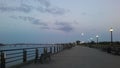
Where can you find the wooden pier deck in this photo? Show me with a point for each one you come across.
(80, 57)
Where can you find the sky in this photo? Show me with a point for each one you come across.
(58, 21)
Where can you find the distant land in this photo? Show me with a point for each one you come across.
(2, 44)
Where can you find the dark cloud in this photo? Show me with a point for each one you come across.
(56, 10)
(26, 18)
(64, 26)
(27, 6)
(23, 8)
(46, 3)
(38, 22)
(62, 23)
(60, 26)
(52, 10)
(30, 19)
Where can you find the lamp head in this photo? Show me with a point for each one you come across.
(97, 36)
(111, 29)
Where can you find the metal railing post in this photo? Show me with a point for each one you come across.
(62, 47)
(45, 50)
(54, 49)
(57, 49)
(36, 53)
(24, 55)
(51, 50)
(3, 60)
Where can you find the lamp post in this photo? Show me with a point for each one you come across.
(111, 30)
(97, 39)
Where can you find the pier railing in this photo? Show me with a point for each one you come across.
(114, 49)
(13, 57)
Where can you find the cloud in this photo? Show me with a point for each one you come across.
(62, 23)
(27, 6)
(60, 11)
(22, 8)
(60, 26)
(33, 20)
(44, 2)
(64, 26)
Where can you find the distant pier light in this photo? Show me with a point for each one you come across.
(111, 34)
(97, 39)
(82, 34)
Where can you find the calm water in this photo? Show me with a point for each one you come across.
(7, 47)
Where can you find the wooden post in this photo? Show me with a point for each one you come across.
(24, 55)
(3, 60)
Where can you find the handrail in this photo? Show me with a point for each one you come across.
(24, 54)
(20, 49)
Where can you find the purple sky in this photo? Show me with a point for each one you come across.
(52, 21)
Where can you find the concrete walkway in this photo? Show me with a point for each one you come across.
(80, 57)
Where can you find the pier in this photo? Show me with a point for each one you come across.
(10, 58)
(75, 57)
(80, 57)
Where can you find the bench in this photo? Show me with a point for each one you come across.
(45, 57)
(115, 50)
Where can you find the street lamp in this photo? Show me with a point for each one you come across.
(97, 39)
(111, 30)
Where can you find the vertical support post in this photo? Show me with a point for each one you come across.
(54, 49)
(61, 47)
(51, 50)
(24, 55)
(111, 39)
(64, 46)
(3, 60)
(97, 40)
(57, 49)
(45, 50)
(36, 54)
